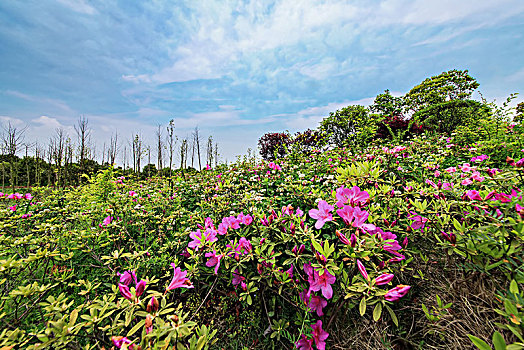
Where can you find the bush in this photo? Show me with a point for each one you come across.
(273, 145)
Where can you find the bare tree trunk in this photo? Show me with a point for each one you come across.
(172, 141)
(159, 146)
(83, 133)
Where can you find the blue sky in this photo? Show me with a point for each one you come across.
(238, 69)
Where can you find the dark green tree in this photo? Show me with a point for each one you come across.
(447, 86)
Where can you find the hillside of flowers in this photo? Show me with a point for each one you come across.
(409, 243)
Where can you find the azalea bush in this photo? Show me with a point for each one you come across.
(382, 245)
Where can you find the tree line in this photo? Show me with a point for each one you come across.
(68, 160)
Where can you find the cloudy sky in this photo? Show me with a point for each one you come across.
(238, 69)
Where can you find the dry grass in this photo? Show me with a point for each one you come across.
(473, 296)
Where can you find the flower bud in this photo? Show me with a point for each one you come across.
(140, 287)
(152, 306)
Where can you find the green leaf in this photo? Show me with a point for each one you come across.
(513, 287)
(136, 328)
(317, 246)
(377, 312)
(479, 343)
(392, 315)
(73, 317)
(362, 306)
(498, 341)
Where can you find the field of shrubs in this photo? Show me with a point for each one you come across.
(409, 242)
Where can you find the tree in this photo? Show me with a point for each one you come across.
(57, 148)
(196, 146)
(273, 145)
(183, 154)
(83, 133)
(351, 124)
(387, 105)
(447, 86)
(137, 145)
(209, 151)
(171, 141)
(12, 140)
(112, 150)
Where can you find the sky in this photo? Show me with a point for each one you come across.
(238, 69)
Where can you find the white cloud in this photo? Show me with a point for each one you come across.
(80, 6)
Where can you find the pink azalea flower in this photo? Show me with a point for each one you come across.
(304, 343)
(319, 335)
(451, 169)
(179, 279)
(13, 208)
(447, 186)
(360, 216)
(214, 260)
(342, 237)
(127, 277)
(520, 210)
(140, 287)
(354, 196)
(466, 167)
(362, 270)
(124, 290)
(200, 238)
(119, 341)
(237, 279)
(322, 214)
(316, 304)
(397, 292)
(385, 278)
(473, 195)
(322, 282)
(419, 222)
(107, 221)
(476, 176)
(28, 196)
(346, 213)
(391, 244)
(466, 181)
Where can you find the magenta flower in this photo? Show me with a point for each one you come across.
(322, 282)
(140, 287)
(316, 304)
(304, 343)
(385, 278)
(359, 217)
(342, 237)
(450, 237)
(127, 277)
(473, 195)
(28, 196)
(119, 341)
(179, 279)
(107, 221)
(520, 210)
(362, 270)
(322, 215)
(397, 292)
(237, 279)
(200, 238)
(319, 335)
(354, 196)
(214, 260)
(13, 208)
(419, 222)
(346, 213)
(124, 290)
